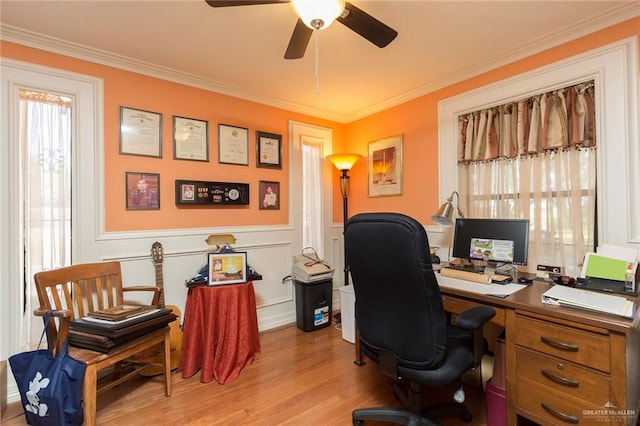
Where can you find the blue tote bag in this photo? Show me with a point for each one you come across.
(50, 387)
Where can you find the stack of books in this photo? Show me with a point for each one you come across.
(108, 328)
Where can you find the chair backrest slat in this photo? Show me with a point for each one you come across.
(82, 288)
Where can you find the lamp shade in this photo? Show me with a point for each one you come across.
(317, 14)
(343, 161)
(443, 216)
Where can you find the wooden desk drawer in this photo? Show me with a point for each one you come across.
(564, 376)
(569, 343)
(550, 407)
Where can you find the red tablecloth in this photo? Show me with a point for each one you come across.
(220, 332)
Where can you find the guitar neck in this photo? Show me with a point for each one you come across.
(160, 284)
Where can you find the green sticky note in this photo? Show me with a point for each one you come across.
(606, 267)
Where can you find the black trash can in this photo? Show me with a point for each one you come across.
(313, 304)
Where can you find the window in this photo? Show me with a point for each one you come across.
(613, 68)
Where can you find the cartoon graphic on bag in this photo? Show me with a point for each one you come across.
(34, 405)
(50, 387)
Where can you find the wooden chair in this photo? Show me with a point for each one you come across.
(73, 292)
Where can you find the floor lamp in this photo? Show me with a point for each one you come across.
(344, 163)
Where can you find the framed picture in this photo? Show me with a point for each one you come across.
(140, 132)
(385, 167)
(233, 145)
(269, 150)
(143, 191)
(190, 139)
(227, 268)
(269, 195)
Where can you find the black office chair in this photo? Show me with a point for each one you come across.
(400, 318)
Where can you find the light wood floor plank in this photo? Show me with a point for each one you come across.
(301, 378)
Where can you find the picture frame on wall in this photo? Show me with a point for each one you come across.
(142, 191)
(385, 167)
(227, 268)
(233, 145)
(190, 139)
(140, 132)
(269, 150)
(269, 195)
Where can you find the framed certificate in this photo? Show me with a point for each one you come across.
(269, 150)
(190, 139)
(140, 132)
(233, 145)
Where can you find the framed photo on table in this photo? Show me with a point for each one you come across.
(269, 150)
(140, 132)
(233, 145)
(190, 139)
(227, 268)
(385, 167)
(143, 191)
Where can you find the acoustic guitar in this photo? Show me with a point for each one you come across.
(154, 355)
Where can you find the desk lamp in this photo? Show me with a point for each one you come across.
(344, 163)
(444, 215)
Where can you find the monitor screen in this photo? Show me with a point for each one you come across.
(493, 240)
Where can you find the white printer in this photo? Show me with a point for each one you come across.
(308, 268)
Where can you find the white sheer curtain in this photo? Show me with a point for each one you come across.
(312, 195)
(45, 138)
(535, 159)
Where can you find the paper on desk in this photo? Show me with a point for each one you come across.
(590, 300)
(618, 252)
(598, 266)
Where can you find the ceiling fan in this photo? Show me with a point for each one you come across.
(311, 17)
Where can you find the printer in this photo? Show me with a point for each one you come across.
(613, 275)
(308, 268)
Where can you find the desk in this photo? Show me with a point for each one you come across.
(564, 365)
(220, 332)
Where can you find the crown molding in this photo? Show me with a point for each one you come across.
(78, 51)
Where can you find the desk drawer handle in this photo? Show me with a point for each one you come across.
(558, 414)
(563, 381)
(559, 345)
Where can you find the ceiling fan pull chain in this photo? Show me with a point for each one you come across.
(316, 72)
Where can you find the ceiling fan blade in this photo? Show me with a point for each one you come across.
(299, 41)
(227, 3)
(367, 26)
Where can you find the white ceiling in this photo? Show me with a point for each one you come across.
(239, 50)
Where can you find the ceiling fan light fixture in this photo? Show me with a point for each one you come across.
(318, 14)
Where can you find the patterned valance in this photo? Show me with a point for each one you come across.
(560, 119)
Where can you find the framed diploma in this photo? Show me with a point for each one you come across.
(269, 150)
(233, 145)
(140, 132)
(190, 139)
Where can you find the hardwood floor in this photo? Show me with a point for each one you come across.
(301, 378)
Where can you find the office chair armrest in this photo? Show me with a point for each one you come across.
(474, 318)
(472, 321)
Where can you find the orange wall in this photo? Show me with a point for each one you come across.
(417, 120)
(122, 88)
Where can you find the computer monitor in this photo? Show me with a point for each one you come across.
(496, 241)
